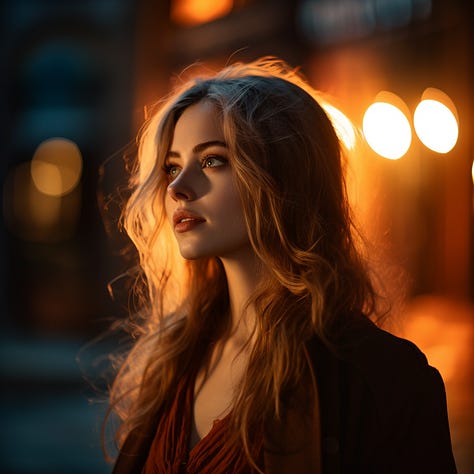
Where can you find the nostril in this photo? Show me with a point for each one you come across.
(182, 196)
(179, 193)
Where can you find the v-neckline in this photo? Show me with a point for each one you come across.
(191, 421)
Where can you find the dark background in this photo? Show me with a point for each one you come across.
(85, 70)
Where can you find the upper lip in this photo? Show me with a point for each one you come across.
(181, 214)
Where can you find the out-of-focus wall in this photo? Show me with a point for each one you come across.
(65, 112)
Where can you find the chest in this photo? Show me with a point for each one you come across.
(214, 393)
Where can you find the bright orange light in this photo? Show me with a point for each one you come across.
(386, 128)
(56, 167)
(435, 121)
(443, 329)
(342, 125)
(194, 12)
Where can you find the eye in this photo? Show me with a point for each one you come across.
(172, 171)
(212, 161)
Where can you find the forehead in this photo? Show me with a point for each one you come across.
(198, 123)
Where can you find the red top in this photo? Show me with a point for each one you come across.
(169, 452)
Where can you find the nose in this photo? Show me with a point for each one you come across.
(181, 189)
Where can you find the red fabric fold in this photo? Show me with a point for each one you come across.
(169, 452)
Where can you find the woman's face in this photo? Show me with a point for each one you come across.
(202, 203)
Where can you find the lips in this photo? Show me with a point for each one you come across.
(184, 220)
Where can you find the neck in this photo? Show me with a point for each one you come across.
(243, 276)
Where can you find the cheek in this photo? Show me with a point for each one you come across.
(233, 206)
(227, 194)
(168, 205)
(237, 208)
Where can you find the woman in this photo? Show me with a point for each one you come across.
(255, 351)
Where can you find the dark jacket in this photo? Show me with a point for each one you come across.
(382, 409)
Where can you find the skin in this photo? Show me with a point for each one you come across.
(201, 183)
(202, 191)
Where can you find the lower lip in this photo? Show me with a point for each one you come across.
(186, 226)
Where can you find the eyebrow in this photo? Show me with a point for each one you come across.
(199, 148)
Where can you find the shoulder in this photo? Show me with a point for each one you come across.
(390, 366)
(381, 403)
(371, 350)
(390, 371)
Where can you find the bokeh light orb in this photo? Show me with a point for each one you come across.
(56, 167)
(195, 12)
(436, 125)
(387, 130)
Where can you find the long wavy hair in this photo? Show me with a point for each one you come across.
(287, 162)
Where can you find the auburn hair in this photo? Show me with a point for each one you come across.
(288, 167)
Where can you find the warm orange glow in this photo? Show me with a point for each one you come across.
(29, 211)
(435, 121)
(44, 210)
(442, 341)
(444, 331)
(36, 216)
(343, 126)
(195, 12)
(386, 127)
(56, 167)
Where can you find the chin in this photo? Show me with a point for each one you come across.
(192, 253)
(190, 256)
